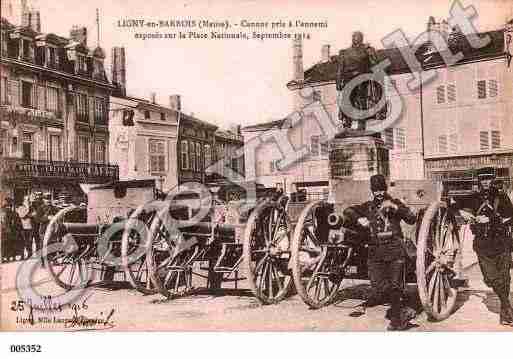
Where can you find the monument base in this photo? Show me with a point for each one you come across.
(357, 155)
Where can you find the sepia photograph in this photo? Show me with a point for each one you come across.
(255, 166)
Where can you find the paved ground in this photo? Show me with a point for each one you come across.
(234, 310)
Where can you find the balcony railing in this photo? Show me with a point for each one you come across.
(22, 169)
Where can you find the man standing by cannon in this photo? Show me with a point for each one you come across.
(352, 62)
(381, 218)
(490, 211)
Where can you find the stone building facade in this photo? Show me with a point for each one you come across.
(449, 126)
(54, 111)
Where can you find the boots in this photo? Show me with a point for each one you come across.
(399, 319)
(506, 314)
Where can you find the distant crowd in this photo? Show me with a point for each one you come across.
(23, 227)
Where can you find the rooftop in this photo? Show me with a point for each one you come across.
(426, 55)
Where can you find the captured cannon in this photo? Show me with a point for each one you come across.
(326, 254)
(235, 237)
(84, 244)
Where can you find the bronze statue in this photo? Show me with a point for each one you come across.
(352, 62)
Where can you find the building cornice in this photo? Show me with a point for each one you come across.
(58, 74)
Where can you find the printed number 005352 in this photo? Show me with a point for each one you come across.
(21, 348)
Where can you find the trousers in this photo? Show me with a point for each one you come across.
(496, 272)
(387, 280)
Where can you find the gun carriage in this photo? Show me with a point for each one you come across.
(165, 243)
(82, 244)
(235, 237)
(326, 253)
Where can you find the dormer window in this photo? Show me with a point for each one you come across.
(81, 64)
(28, 51)
(52, 57)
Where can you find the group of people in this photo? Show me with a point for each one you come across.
(24, 226)
(489, 213)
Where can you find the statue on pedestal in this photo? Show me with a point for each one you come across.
(352, 62)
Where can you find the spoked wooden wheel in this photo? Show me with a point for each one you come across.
(437, 247)
(133, 250)
(169, 257)
(266, 251)
(314, 260)
(67, 261)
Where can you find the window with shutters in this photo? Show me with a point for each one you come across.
(442, 144)
(440, 94)
(100, 111)
(52, 58)
(83, 149)
(99, 149)
(157, 151)
(199, 162)
(4, 90)
(28, 50)
(493, 89)
(314, 145)
(55, 148)
(192, 154)
(162, 116)
(184, 148)
(52, 100)
(451, 93)
(146, 114)
(481, 89)
(82, 108)
(27, 94)
(453, 142)
(400, 138)
(81, 64)
(483, 141)
(389, 137)
(3, 143)
(208, 156)
(496, 139)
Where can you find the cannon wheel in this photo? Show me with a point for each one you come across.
(136, 270)
(310, 265)
(170, 270)
(266, 252)
(437, 245)
(67, 268)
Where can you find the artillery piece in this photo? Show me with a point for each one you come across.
(164, 243)
(326, 255)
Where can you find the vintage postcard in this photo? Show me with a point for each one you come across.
(233, 165)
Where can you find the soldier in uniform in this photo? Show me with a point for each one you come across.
(490, 211)
(352, 62)
(43, 216)
(381, 218)
(11, 228)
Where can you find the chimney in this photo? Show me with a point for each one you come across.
(153, 97)
(431, 23)
(175, 102)
(79, 34)
(325, 53)
(30, 17)
(297, 48)
(444, 28)
(119, 70)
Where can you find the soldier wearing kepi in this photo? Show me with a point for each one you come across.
(490, 211)
(382, 217)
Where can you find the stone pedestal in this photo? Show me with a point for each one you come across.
(357, 156)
